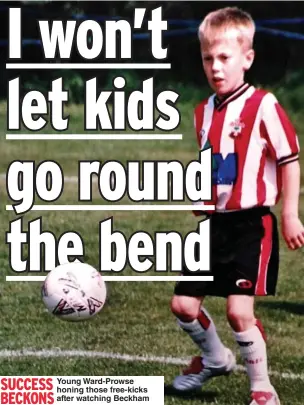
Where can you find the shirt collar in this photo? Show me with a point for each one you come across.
(221, 103)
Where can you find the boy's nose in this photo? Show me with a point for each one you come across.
(215, 66)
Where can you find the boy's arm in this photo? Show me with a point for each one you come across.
(283, 147)
(292, 228)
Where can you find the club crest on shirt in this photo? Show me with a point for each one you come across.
(236, 127)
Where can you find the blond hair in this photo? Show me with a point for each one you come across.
(226, 18)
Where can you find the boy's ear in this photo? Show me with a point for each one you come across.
(249, 58)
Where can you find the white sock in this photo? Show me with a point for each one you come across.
(203, 332)
(253, 350)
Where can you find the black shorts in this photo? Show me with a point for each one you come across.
(244, 256)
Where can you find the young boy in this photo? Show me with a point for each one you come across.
(255, 153)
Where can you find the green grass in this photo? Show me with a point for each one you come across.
(136, 319)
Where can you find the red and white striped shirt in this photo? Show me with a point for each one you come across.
(251, 137)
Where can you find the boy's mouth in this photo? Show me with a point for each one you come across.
(217, 79)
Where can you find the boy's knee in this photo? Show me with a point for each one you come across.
(240, 319)
(185, 308)
(235, 314)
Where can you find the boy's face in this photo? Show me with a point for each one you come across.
(225, 62)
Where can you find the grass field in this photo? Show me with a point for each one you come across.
(136, 319)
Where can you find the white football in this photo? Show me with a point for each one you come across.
(74, 292)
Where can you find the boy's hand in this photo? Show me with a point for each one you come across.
(293, 231)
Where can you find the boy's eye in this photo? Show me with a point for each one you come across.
(221, 57)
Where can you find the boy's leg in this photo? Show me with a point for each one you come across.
(198, 324)
(251, 340)
(256, 272)
(216, 359)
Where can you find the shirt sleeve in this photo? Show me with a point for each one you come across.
(280, 134)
